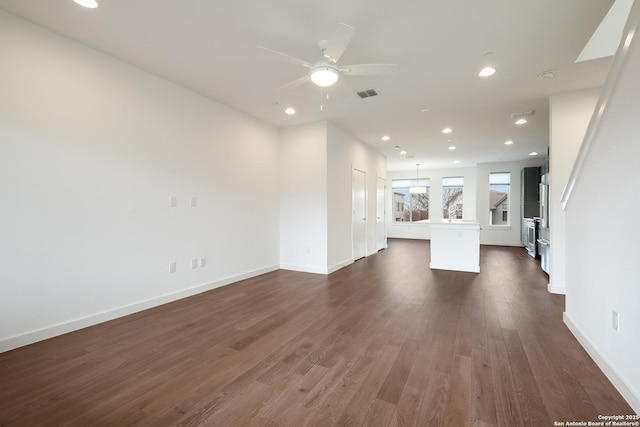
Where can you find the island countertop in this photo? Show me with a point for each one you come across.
(456, 223)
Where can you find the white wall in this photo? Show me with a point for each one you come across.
(303, 198)
(346, 153)
(569, 117)
(91, 150)
(316, 161)
(602, 234)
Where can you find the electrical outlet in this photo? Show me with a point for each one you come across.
(616, 321)
(173, 201)
(194, 201)
(172, 267)
(194, 263)
(203, 262)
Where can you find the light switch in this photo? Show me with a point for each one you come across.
(194, 263)
(172, 267)
(194, 201)
(173, 201)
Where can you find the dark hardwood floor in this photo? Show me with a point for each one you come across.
(383, 342)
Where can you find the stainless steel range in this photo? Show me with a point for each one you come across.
(531, 228)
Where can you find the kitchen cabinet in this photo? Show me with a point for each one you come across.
(530, 207)
(530, 194)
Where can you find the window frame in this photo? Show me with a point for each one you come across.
(404, 185)
(501, 181)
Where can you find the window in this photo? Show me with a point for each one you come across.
(409, 207)
(499, 184)
(452, 197)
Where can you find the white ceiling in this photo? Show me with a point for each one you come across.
(209, 47)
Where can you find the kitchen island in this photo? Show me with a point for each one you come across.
(455, 245)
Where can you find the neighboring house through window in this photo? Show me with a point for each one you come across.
(409, 207)
(499, 203)
(452, 189)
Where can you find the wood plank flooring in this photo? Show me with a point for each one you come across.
(383, 342)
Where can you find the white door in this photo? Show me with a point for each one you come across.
(359, 200)
(381, 229)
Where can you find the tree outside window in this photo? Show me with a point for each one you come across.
(409, 207)
(452, 191)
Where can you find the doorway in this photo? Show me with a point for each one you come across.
(381, 229)
(359, 221)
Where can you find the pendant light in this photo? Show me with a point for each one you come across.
(417, 189)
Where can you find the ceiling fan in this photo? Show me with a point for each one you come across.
(326, 71)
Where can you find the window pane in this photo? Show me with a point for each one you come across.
(420, 207)
(409, 207)
(500, 178)
(499, 186)
(452, 197)
(456, 181)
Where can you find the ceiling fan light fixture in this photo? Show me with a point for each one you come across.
(324, 75)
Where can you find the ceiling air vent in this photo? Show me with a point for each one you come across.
(367, 93)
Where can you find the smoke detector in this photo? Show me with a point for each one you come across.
(546, 75)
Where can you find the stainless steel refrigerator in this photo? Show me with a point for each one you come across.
(544, 242)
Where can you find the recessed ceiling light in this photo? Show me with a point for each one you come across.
(290, 111)
(487, 71)
(91, 4)
(447, 130)
(425, 110)
(386, 138)
(521, 121)
(508, 142)
(451, 147)
(403, 152)
(456, 161)
(533, 153)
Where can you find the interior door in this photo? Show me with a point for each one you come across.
(359, 204)
(381, 228)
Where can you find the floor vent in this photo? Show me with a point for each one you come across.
(367, 93)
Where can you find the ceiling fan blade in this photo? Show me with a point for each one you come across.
(295, 83)
(368, 69)
(339, 41)
(284, 57)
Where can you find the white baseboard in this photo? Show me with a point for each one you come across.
(304, 268)
(467, 268)
(339, 265)
(556, 289)
(627, 391)
(76, 324)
